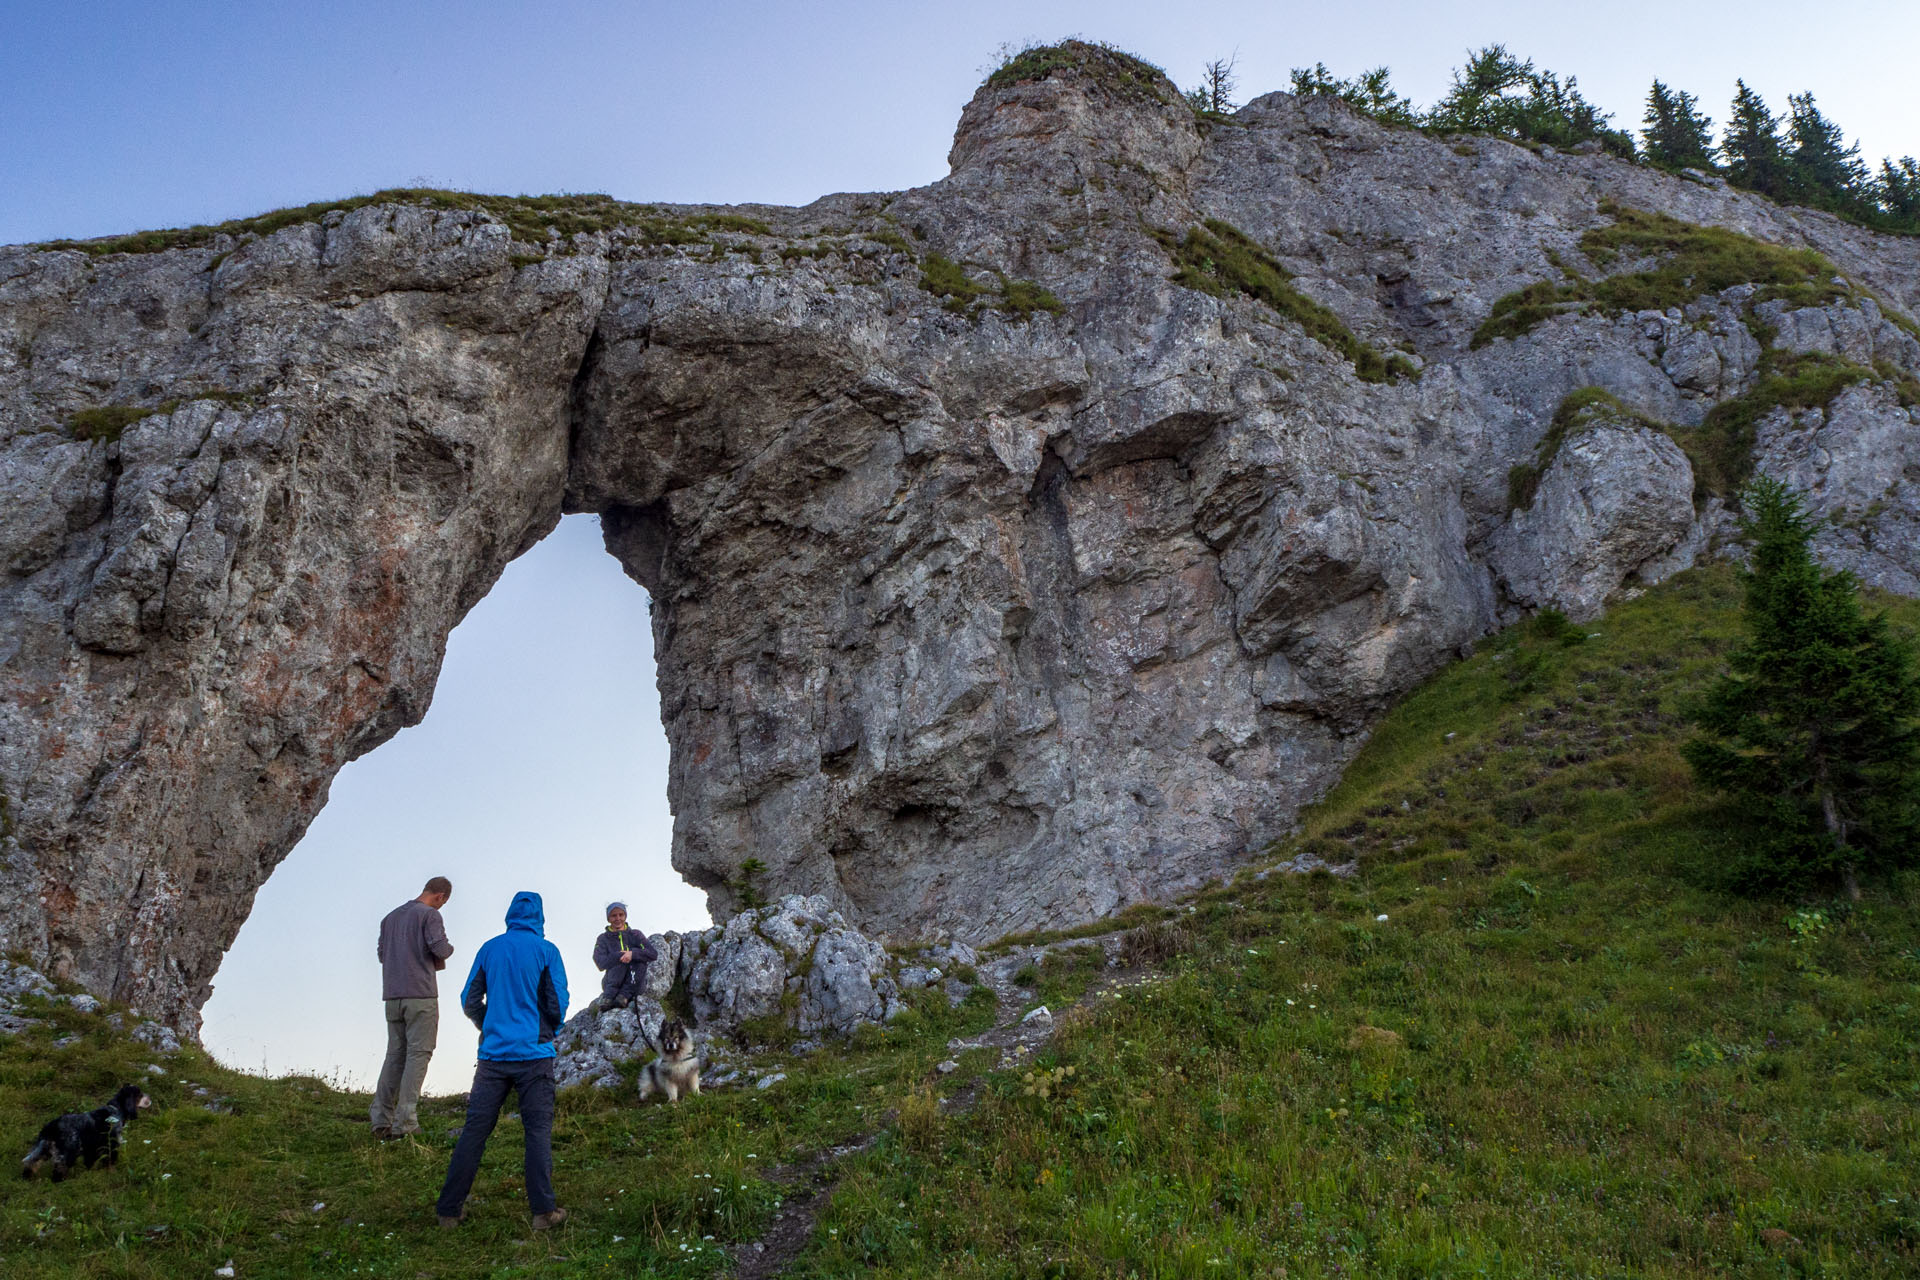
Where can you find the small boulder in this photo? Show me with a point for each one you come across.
(847, 984)
(739, 977)
(913, 977)
(155, 1036)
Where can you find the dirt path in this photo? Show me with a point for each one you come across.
(1016, 1034)
(811, 1184)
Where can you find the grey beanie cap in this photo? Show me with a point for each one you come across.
(615, 906)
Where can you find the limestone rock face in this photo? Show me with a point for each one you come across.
(977, 607)
(1855, 463)
(795, 961)
(202, 620)
(848, 984)
(1614, 498)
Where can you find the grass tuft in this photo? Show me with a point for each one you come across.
(1687, 262)
(945, 278)
(1022, 298)
(1115, 70)
(1019, 299)
(108, 422)
(1220, 259)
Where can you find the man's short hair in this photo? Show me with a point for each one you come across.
(439, 884)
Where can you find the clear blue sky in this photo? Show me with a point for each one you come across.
(542, 764)
(125, 115)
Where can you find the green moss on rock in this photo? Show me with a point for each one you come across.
(1220, 259)
(108, 422)
(1686, 262)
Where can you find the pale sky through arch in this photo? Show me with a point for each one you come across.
(123, 116)
(541, 765)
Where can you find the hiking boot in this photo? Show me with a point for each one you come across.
(452, 1222)
(552, 1218)
(383, 1134)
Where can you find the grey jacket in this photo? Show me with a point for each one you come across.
(413, 948)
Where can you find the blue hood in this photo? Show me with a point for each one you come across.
(527, 913)
(517, 991)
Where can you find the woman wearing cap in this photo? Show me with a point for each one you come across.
(622, 955)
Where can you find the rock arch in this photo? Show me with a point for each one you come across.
(999, 580)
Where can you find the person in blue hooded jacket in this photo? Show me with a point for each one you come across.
(517, 996)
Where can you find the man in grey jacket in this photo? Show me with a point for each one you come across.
(413, 949)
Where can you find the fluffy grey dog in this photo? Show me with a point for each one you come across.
(676, 1070)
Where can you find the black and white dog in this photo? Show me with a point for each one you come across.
(676, 1070)
(85, 1137)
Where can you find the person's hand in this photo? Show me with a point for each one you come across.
(626, 957)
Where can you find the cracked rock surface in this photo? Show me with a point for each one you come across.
(969, 615)
(795, 961)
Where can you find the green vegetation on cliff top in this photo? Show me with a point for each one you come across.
(1564, 1051)
(1123, 73)
(531, 219)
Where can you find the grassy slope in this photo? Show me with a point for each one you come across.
(1603, 1068)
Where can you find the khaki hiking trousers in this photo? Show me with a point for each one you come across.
(413, 1027)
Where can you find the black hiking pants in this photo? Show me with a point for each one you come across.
(532, 1080)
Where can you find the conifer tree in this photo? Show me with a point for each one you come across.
(1812, 729)
(1826, 171)
(1897, 192)
(1499, 93)
(1214, 96)
(1371, 92)
(1482, 97)
(1755, 157)
(1676, 134)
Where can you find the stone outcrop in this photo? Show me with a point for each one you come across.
(795, 964)
(1615, 501)
(998, 579)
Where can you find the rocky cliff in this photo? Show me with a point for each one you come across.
(1019, 546)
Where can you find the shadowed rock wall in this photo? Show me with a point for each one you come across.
(970, 613)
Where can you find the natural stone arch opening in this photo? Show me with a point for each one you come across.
(540, 765)
(977, 608)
